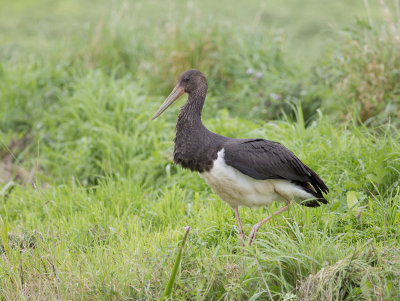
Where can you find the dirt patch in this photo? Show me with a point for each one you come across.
(23, 241)
(10, 171)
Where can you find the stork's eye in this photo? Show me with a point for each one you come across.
(186, 79)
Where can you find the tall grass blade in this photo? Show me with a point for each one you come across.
(168, 289)
(4, 235)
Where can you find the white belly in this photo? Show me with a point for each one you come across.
(238, 189)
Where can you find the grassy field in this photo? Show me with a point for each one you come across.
(91, 205)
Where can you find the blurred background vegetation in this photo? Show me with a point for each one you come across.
(79, 82)
(261, 59)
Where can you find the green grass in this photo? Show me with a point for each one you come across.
(91, 204)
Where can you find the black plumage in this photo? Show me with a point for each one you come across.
(263, 159)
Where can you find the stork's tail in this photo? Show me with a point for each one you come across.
(315, 187)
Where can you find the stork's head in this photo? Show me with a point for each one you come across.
(190, 81)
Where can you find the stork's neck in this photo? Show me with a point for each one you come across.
(195, 146)
(190, 115)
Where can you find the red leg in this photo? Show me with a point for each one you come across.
(257, 226)
(242, 237)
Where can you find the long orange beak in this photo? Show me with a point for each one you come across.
(175, 94)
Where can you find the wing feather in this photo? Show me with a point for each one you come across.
(262, 159)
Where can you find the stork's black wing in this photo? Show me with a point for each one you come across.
(262, 159)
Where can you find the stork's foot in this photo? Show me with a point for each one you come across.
(257, 226)
(253, 232)
(242, 238)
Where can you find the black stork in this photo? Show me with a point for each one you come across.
(242, 172)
